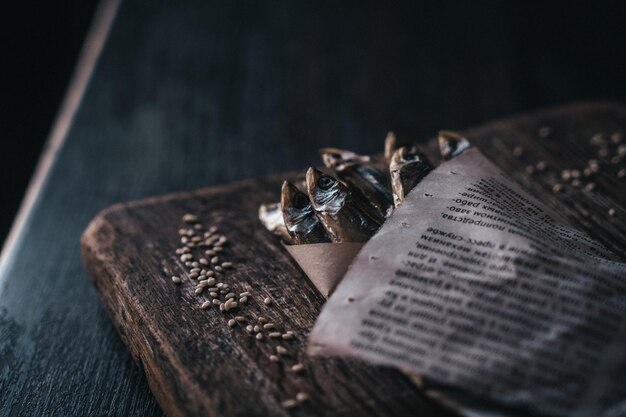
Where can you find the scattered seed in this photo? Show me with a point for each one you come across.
(199, 290)
(597, 139)
(205, 305)
(290, 403)
(566, 175)
(203, 261)
(215, 260)
(530, 169)
(576, 183)
(262, 320)
(518, 151)
(217, 302)
(194, 275)
(232, 323)
(267, 301)
(243, 300)
(612, 212)
(213, 229)
(227, 265)
(203, 283)
(209, 253)
(297, 368)
(621, 173)
(541, 166)
(302, 397)
(616, 137)
(182, 231)
(218, 268)
(188, 264)
(603, 152)
(184, 240)
(287, 336)
(240, 318)
(222, 306)
(274, 335)
(196, 239)
(210, 281)
(214, 294)
(230, 295)
(268, 326)
(249, 328)
(259, 336)
(590, 187)
(545, 131)
(281, 350)
(257, 329)
(190, 218)
(176, 280)
(274, 358)
(621, 150)
(210, 273)
(220, 285)
(587, 172)
(244, 294)
(218, 249)
(198, 226)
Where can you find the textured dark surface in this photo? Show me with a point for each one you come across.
(194, 94)
(197, 365)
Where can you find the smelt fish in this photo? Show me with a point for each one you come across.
(407, 168)
(452, 144)
(363, 176)
(299, 216)
(345, 217)
(272, 218)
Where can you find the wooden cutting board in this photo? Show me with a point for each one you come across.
(197, 365)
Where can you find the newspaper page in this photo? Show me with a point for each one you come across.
(474, 284)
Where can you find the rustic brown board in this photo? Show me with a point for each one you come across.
(197, 365)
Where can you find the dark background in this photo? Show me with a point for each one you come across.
(533, 55)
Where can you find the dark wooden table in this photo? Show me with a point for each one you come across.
(192, 94)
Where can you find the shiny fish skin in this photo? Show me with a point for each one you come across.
(407, 168)
(363, 176)
(299, 216)
(345, 218)
(272, 218)
(452, 144)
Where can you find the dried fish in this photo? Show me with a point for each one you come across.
(272, 218)
(362, 176)
(346, 218)
(407, 168)
(299, 216)
(452, 144)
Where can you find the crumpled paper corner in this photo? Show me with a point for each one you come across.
(325, 263)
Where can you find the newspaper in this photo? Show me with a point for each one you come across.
(476, 285)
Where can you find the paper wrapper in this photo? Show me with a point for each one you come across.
(325, 263)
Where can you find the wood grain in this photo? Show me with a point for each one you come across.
(196, 365)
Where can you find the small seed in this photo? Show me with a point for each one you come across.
(597, 139)
(566, 175)
(217, 302)
(218, 268)
(518, 151)
(210, 281)
(257, 329)
(621, 150)
(198, 226)
(274, 335)
(287, 336)
(194, 275)
(209, 253)
(587, 172)
(232, 323)
(290, 404)
(268, 326)
(274, 358)
(281, 350)
(616, 137)
(205, 305)
(244, 294)
(545, 132)
(227, 265)
(188, 264)
(297, 368)
(190, 218)
(182, 231)
(267, 301)
(203, 261)
(215, 260)
(249, 328)
(259, 336)
(222, 307)
(195, 264)
(213, 229)
(184, 240)
(576, 183)
(196, 239)
(612, 212)
(230, 295)
(194, 270)
(302, 397)
(214, 294)
(262, 320)
(220, 285)
(218, 249)
(603, 152)
(243, 300)
(240, 318)
(621, 173)
(530, 169)
(541, 166)
(590, 187)
(203, 283)
(210, 273)
(199, 290)
(176, 280)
